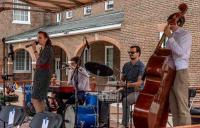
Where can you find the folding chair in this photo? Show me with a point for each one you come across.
(12, 115)
(46, 120)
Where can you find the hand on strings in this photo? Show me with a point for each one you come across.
(167, 31)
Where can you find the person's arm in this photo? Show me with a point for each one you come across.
(136, 84)
(181, 48)
(35, 50)
(69, 78)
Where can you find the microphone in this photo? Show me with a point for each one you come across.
(87, 44)
(28, 45)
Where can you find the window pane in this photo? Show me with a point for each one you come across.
(19, 59)
(109, 57)
(20, 15)
(22, 60)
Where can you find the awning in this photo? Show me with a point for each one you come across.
(47, 5)
(108, 21)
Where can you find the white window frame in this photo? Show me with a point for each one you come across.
(23, 71)
(89, 55)
(85, 10)
(69, 14)
(19, 21)
(58, 17)
(108, 47)
(107, 3)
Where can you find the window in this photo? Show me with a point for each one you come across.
(86, 56)
(69, 14)
(20, 16)
(58, 17)
(109, 56)
(22, 62)
(109, 5)
(164, 44)
(88, 10)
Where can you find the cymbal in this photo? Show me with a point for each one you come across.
(99, 69)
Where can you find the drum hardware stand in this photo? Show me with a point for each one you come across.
(5, 76)
(126, 88)
(76, 72)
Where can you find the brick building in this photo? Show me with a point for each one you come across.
(110, 27)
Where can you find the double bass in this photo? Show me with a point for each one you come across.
(152, 106)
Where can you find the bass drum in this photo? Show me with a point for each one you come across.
(86, 117)
(69, 117)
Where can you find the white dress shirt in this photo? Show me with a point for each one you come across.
(180, 44)
(83, 79)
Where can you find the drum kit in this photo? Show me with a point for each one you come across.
(88, 111)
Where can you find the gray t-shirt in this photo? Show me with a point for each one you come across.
(132, 71)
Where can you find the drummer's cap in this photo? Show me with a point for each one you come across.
(75, 59)
(180, 22)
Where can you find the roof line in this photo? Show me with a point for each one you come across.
(76, 32)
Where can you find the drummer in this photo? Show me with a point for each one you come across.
(82, 79)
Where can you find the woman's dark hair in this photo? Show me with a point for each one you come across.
(76, 59)
(180, 22)
(138, 49)
(46, 36)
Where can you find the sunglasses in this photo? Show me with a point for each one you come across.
(129, 52)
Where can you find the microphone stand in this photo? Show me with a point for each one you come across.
(76, 71)
(5, 75)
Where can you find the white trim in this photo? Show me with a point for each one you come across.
(58, 17)
(33, 62)
(76, 32)
(20, 22)
(22, 71)
(96, 29)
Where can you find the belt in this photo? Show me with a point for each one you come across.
(43, 66)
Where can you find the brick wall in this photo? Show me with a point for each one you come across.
(7, 28)
(97, 9)
(140, 27)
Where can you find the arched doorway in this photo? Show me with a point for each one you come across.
(106, 53)
(60, 59)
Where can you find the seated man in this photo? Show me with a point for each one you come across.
(81, 82)
(132, 73)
